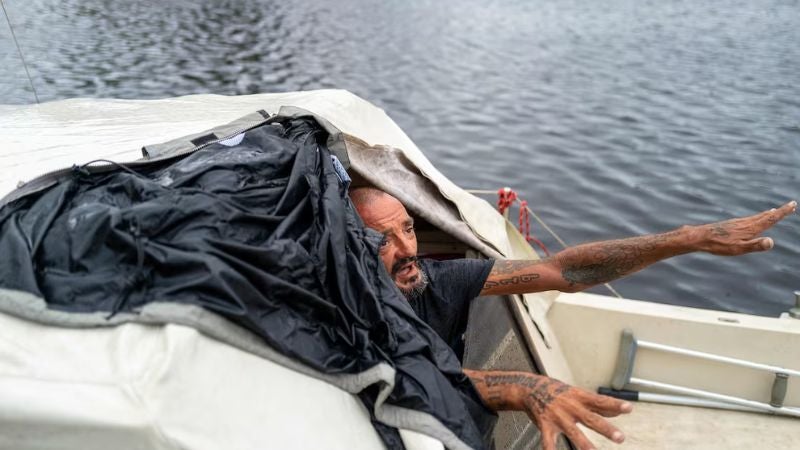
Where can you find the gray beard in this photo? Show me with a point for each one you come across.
(418, 288)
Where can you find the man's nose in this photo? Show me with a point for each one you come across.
(405, 248)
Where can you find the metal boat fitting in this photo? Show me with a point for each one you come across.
(795, 312)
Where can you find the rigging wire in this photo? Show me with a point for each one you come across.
(19, 50)
(544, 225)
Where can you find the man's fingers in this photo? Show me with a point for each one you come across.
(785, 210)
(608, 406)
(758, 245)
(603, 427)
(578, 439)
(549, 435)
(775, 215)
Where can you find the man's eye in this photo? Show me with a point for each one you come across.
(410, 230)
(384, 242)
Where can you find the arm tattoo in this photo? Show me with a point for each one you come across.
(524, 278)
(608, 262)
(591, 264)
(510, 273)
(519, 380)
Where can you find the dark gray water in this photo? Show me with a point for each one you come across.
(611, 118)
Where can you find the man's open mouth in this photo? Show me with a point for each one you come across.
(404, 268)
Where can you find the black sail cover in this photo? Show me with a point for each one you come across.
(262, 233)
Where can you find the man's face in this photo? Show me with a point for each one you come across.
(399, 247)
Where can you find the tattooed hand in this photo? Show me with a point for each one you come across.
(739, 236)
(555, 407)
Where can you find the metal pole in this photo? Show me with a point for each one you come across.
(683, 400)
(712, 357)
(794, 412)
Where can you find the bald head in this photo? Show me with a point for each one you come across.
(385, 214)
(364, 196)
(370, 201)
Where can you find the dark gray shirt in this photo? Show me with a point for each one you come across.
(445, 303)
(444, 306)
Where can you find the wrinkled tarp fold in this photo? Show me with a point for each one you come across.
(261, 233)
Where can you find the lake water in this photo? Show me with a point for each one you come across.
(611, 118)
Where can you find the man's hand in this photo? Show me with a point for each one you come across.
(740, 236)
(555, 407)
(583, 266)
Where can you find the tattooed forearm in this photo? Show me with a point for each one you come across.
(583, 266)
(601, 264)
(590, 264)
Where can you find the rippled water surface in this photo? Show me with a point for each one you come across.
(611, 118)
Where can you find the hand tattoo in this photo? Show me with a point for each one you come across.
(540, 391)
(543, 395)
(719, 230)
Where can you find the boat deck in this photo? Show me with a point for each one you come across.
(701, 428)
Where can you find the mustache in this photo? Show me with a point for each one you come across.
(403, 262)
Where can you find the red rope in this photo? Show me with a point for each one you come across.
(525, 224)
(524, 220)
(505, 198)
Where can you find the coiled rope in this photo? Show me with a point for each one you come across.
(506, 197)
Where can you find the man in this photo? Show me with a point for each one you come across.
(440, 292)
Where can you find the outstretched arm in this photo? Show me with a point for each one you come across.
(555, 407)
(583, 266)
